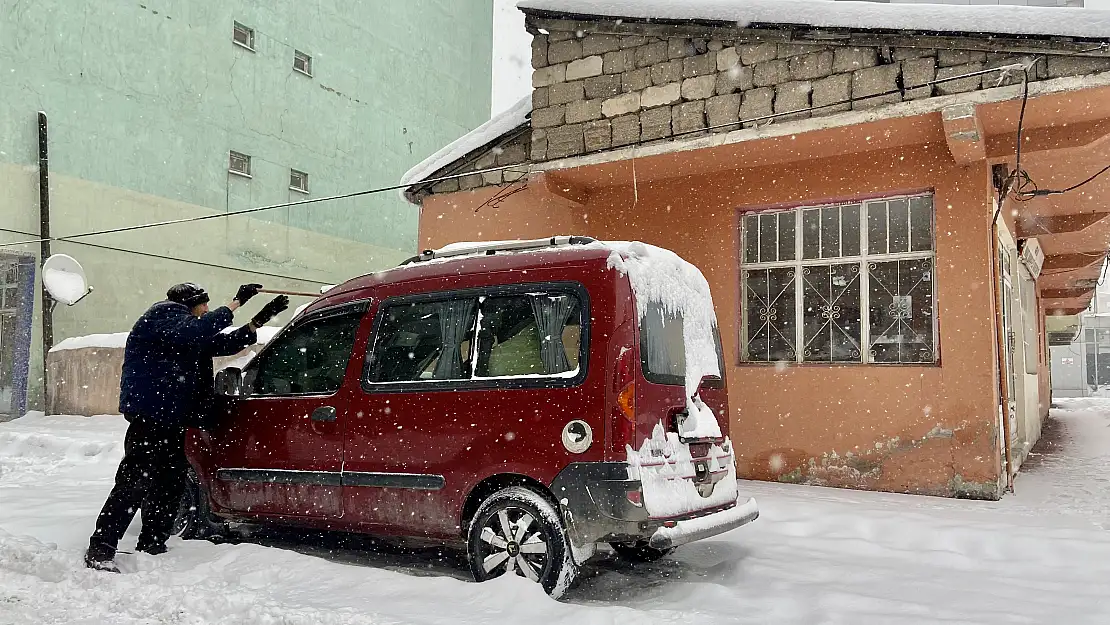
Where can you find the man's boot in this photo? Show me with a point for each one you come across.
(100, 557)
(154, 549)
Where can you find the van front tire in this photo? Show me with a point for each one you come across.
(194, 517)
(517, 530)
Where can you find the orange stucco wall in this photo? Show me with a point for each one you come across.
(902, 428)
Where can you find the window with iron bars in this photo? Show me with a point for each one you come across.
(239, 164)
(843, 283)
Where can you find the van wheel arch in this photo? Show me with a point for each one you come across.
(491, 485)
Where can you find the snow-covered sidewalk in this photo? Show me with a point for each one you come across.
(814, 556)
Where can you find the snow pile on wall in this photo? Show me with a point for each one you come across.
(665, 467)
(661, 276)
(1010, 20)
(116, 340)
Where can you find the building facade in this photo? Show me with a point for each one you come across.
(169, 109)
(1081, 350)
(850, 188)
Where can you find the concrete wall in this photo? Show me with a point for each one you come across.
(145, 101)
(924, 429)
(86, 381)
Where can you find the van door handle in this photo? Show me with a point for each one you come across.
(324, 414)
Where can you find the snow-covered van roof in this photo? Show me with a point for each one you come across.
(934, 18)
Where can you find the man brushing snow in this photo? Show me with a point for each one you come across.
(166, 387)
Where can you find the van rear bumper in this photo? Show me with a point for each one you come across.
(593, 499)
(704, 527)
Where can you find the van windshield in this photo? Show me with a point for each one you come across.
(662, 347)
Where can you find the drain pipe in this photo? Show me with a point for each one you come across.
(1002, 339)
(44, 246)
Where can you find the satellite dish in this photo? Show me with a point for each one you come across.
(64, 279)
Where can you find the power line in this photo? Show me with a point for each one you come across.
(1044, 192)
(180, 260)
(527, 169)
(247, 211)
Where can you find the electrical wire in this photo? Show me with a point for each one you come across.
(182, 260)
(525, 169)
(257, 209)
(1045, 192)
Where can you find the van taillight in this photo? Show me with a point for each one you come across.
(624, 412)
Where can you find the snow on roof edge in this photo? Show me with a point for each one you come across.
(994, 19)
(498, 125)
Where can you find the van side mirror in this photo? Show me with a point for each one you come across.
(229, 382)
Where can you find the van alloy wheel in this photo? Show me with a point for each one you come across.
(517, 531)
(513, 541)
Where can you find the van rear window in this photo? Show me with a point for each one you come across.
(663, 348)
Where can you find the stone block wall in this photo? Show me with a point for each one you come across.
(595, 92)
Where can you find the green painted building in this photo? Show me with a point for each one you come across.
(164, 109)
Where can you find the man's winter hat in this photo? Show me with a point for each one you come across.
(188, 294)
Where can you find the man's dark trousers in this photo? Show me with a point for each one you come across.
(151, 476)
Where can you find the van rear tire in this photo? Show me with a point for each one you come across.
(640, 551)
(518, 530)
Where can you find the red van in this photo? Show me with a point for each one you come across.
(528, 399)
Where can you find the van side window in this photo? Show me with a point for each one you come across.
(529, 334)
(663, 345)
(309, 359)
(424, 341)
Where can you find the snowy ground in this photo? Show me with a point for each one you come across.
(814, 556)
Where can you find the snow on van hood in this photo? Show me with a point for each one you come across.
(659, 275)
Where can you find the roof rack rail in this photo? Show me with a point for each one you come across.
(495, 247)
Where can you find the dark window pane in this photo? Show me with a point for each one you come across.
(876, 228)
(751, 239)
(768, 238)
(831, 313)
(811, 233)
(901, 315)
(309, 359)
(786, 235)
(830, 232)
(529, 335)
(427, 341)
(769, 308)
(899, 226)
(921, 224)
(662, 346)
(849, 228)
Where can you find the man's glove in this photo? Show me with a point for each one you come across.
(246, 292)
(270, 310)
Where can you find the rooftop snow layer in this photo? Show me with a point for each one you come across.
(515, 116)
(1009, 20)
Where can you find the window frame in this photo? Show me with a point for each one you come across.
(297, 55)
(863, 260)
(507, 382)
(304, 177)
(246, 158)
(359, 307)
(235, 28)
